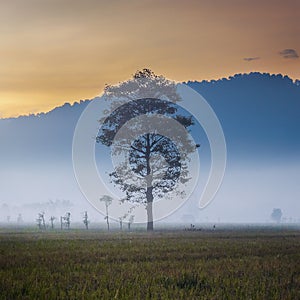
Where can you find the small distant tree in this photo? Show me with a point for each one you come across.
(68, 220)
(41, 220)
(107, 200)
(20, 219)
(121, 219)
(121, 223)
(65, 221)
(276, 215)
(130, 221)
(52, 218)
(86, 220)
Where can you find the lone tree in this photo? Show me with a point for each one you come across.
(86, 220)
(65, 221)
(41, 220)
(52, 218)
(121, 222)
(154, 158)
(130, 221)
(276, 215)
(107, 200)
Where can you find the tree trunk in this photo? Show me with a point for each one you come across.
(149, 193)
(107, 222)
(44, 224)
(149, 209)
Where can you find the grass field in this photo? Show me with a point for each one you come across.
(228, 264)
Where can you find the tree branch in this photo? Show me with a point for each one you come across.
(138, 150)
(156, 141)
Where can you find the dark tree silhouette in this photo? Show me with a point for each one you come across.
(41, 220)
(154, 158)
(107, 200)
(52, 218)
(86, 220)
(65, 221)
(130, 221)
(121, 222)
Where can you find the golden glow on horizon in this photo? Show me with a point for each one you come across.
(57, 51)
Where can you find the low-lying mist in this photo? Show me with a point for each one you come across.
(249, 193)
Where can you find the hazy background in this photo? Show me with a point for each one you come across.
(260, 116)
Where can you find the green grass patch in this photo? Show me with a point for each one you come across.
(163, 265)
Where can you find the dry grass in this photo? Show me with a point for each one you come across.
(163, 265)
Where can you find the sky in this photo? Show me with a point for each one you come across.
(57, 51)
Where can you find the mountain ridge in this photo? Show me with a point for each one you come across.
(259, 114)
(236, 76)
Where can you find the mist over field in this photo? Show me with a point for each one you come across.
(260, 117)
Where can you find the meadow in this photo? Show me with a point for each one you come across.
(207, 264)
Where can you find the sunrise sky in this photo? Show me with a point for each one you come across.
(57, 51)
